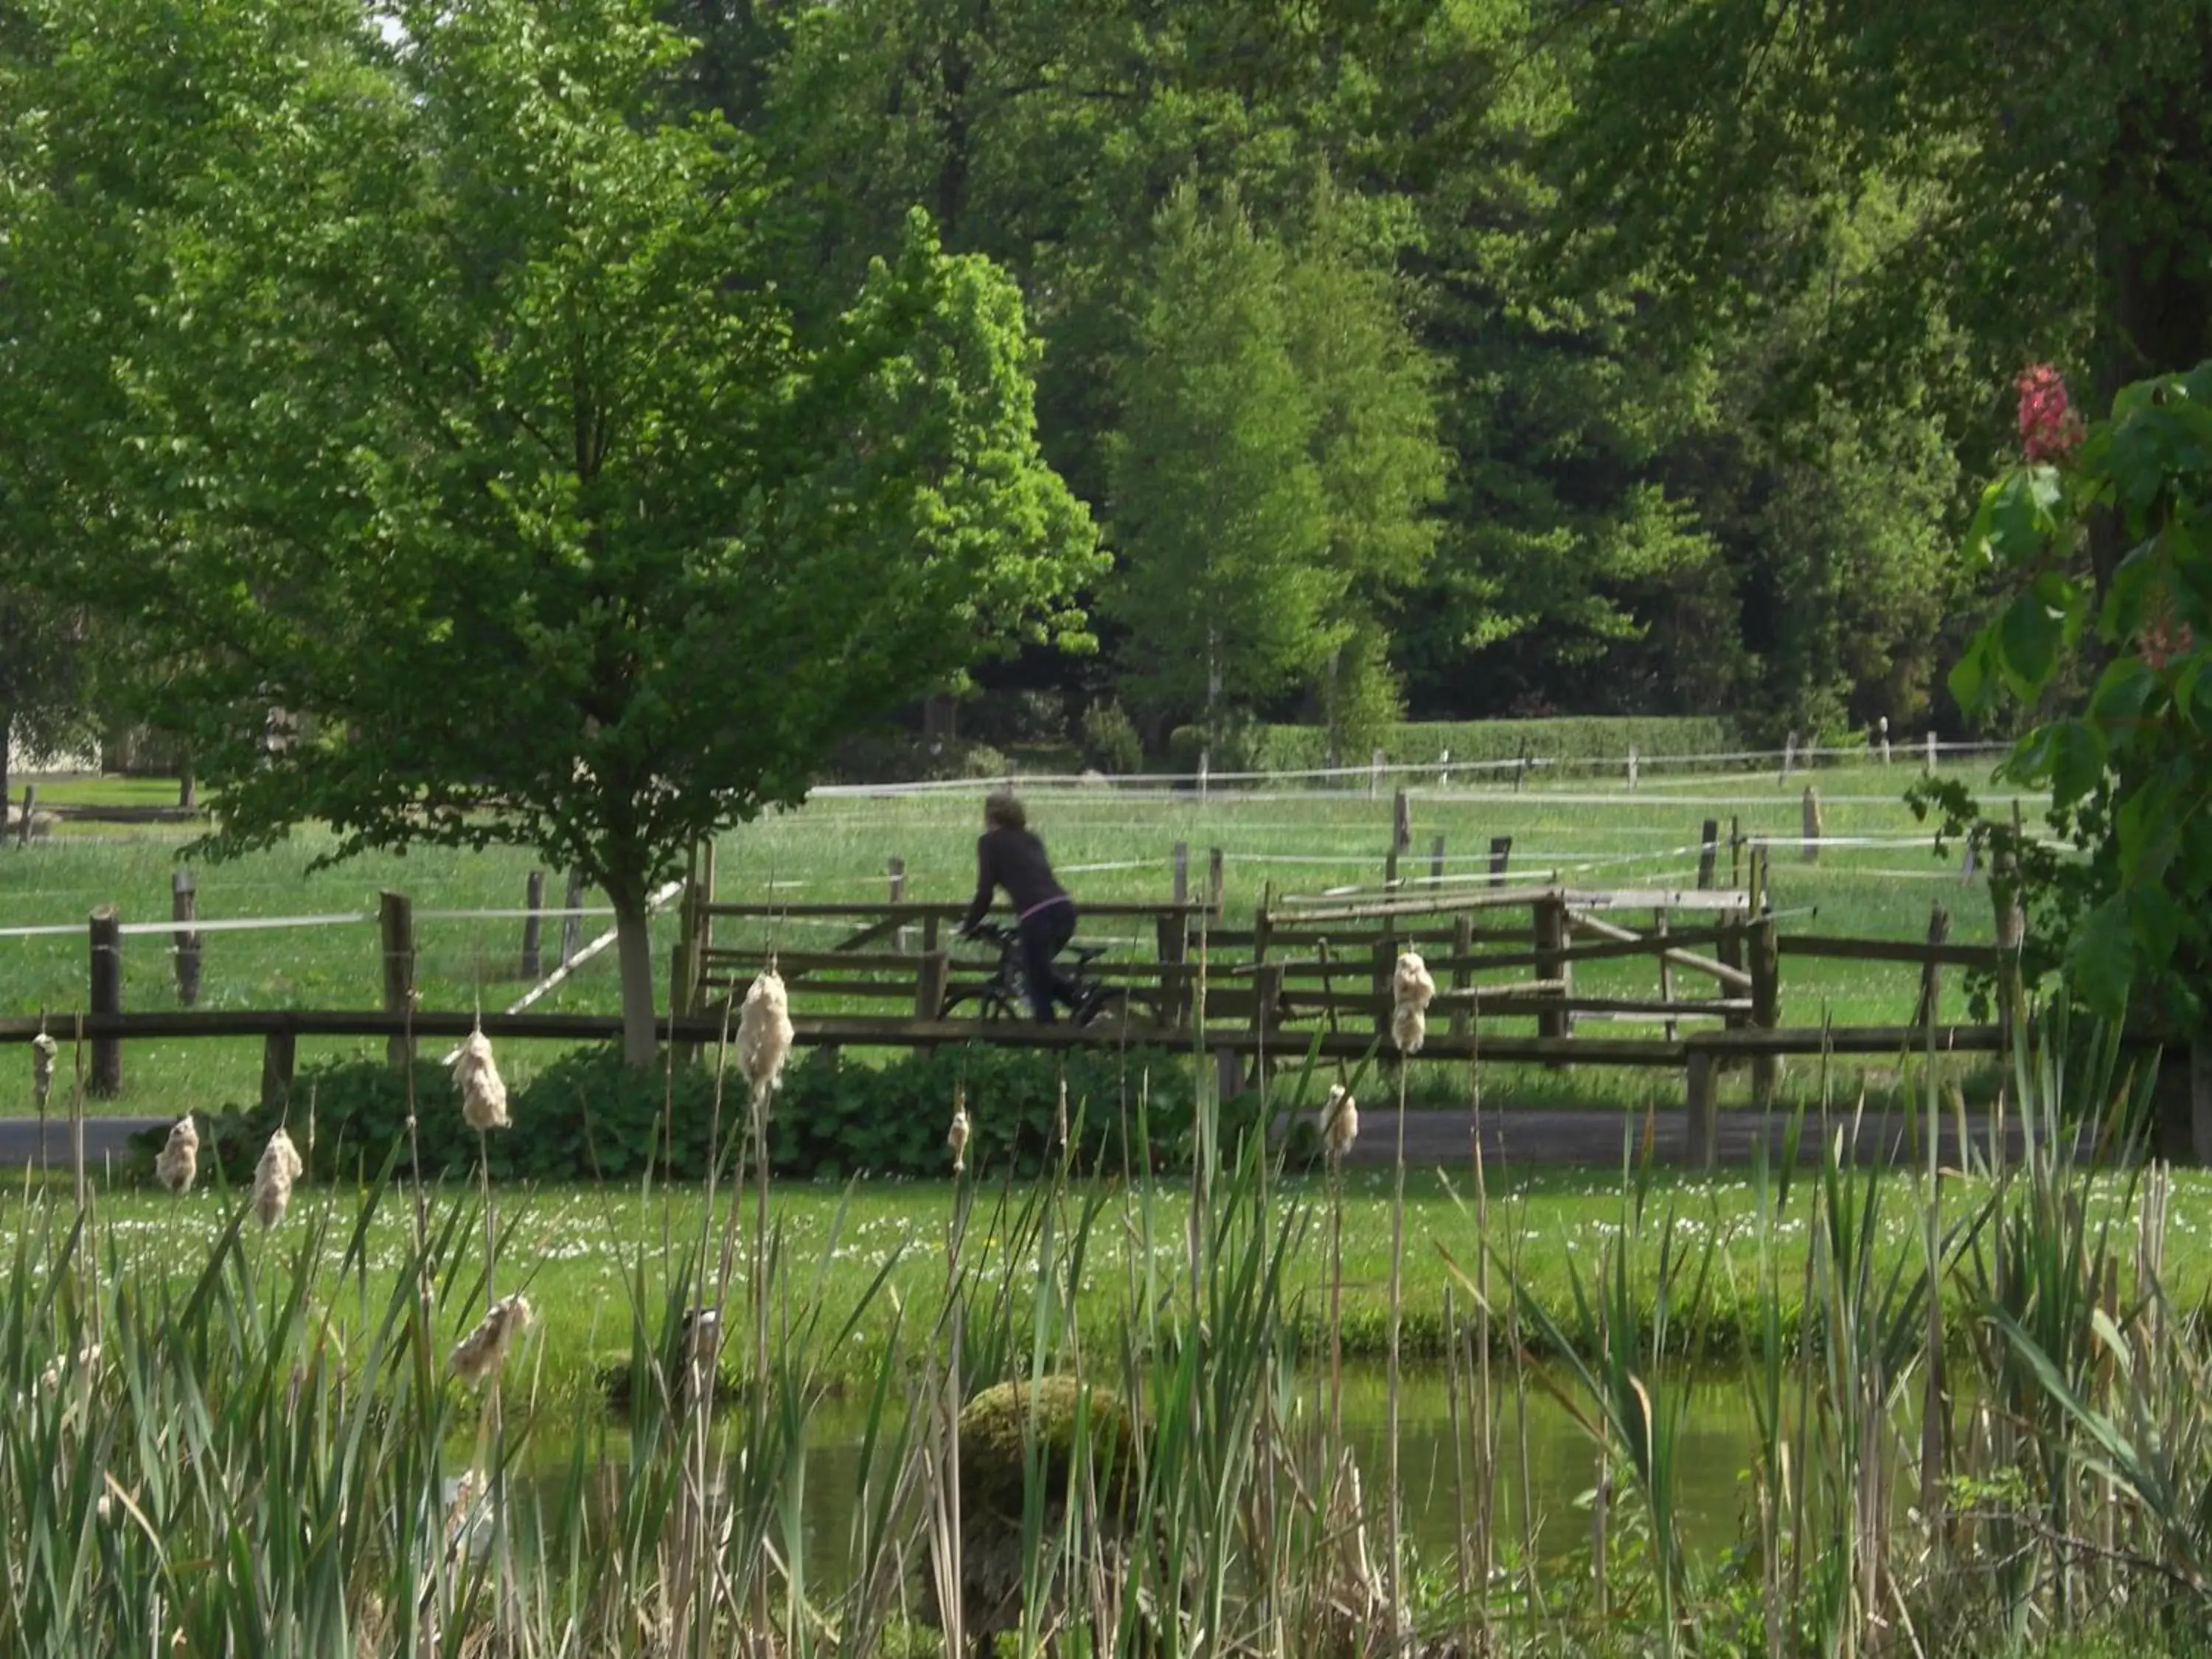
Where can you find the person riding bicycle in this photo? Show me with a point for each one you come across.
(1008, 855)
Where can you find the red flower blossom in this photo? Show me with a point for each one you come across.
(2050, 426)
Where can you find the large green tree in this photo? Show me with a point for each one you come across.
(466, 423)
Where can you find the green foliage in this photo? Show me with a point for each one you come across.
(2130, 774)
(1422, 743)
(892, 756)
(587, 1117)
(468, 385)
(1110, 742)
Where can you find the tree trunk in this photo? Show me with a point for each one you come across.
(633, 948)
(7, 718)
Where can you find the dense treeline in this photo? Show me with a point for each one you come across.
(1480, 356)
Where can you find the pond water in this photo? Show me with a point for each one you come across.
(1561, 1466)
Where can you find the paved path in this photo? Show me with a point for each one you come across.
(104, 1138)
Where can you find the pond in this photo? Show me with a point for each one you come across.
(1560, 1467)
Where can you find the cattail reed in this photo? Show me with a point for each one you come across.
(956, 1139)
(280, 1166)
(43, 1049)
(764, 1034)
(483, 1091)
(480, 1354)
(179, 1165)
(1339, 1122)
(1411, 992)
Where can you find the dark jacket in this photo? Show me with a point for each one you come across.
(1013, 859)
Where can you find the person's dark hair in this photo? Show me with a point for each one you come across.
(1002, 811)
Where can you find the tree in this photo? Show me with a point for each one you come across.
(45, 674)
(1218, 509)
(469, 428)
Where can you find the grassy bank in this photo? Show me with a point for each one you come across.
(595, 1261)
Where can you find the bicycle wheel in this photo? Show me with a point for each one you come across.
(984, 1003)
(1110, 1006)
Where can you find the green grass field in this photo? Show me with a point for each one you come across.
(583, 1255)
(1587, 833)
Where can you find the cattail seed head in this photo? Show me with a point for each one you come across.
(764, 1033)
(483, 1091)
(280, 1166)
(43, 1050)
(1340, 1121)
(180, 1162)
(1411, 992)
(957, 1138)
(482, 1353)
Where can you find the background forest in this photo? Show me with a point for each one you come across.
(1441, 359)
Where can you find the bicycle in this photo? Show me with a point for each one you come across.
(1004, 996)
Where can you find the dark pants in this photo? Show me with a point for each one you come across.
(1044, 935)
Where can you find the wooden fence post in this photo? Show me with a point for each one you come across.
(396, 929)
(533, 924)
(279, 1053)
(1811, 850)
(185, 910)
(1708, 853)
(1666, 971)
(1788, 756)
(1928, 1008)
(1729, 951)
(1437, 862)
(572, 924)
(1462, 1018)
(1374, 776)
(105, 1081)
(1735, 854)
(1701, 1146)
(1216, 882)
(1632, 769)
(929, 984)
(1267, 997)
(1172, 934)
(1932, 754)
(1179, 858)
(1402, 822)
(1550, 939)
(895, 869)
(1383, 972)
(1390, 871)
(1882, 732)
(1766, 1005)
(1501, 850)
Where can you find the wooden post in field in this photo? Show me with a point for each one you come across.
(572, 924)
(105, 1081)
(1462, 1020)
(1932, 754)
(1632, 769)
(1172, 934)
(1501, 850)
(1266, 997)
(1708, 853)
(1402, 822)
(1380, 978)
(895, 868)
(1811, 843)
(279, 1053)
(1204, 770)
(1729, 951)
(1928, 1008)
(1520, 770)
(1765, 1003)
(1882, 735)
(396, 930)
(929, 984)
(1437, 862)
(185, 910)
(1735, 854)
(1701, 1148)
(1374, 776)
(533, 924)
(1551, 941)
(1666, 973)
(1216, 888)
(1179, 861)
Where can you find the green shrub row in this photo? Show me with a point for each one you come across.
(1595, 737)
(588, 1117)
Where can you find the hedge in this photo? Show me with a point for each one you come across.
(1592, 738)
(588, 1117)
